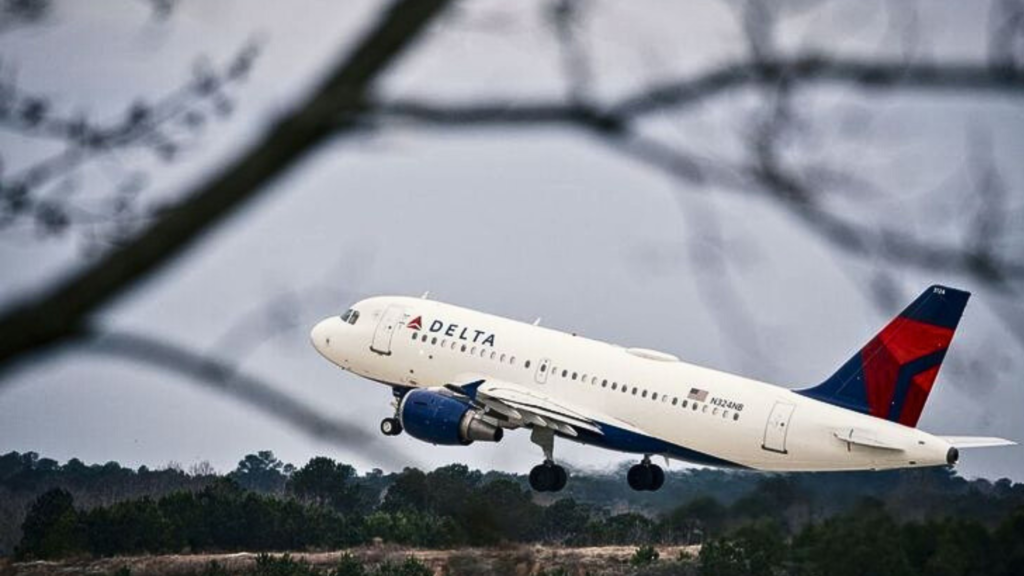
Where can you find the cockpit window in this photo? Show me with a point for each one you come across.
(350, 316)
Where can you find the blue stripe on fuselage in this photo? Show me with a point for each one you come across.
(619, 439)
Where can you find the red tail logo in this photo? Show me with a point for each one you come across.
(415, 324)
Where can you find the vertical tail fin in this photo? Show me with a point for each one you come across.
(893, 373)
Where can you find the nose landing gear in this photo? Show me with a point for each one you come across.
(390, 427)
(393, 426)
(645, 476)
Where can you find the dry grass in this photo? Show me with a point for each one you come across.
(513, 560)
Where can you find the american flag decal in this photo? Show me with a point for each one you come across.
(698, 395)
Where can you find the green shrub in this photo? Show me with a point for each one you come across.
(268, 565)
(644, 556)
(411, 567)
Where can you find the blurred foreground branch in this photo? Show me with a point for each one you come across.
(61, 312)
(799, 192)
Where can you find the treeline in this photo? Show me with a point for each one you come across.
(868, 541)
(267, 505)
(24, 476)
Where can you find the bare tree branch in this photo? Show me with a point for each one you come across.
(613, 125)
(687, 92)
(59, 313)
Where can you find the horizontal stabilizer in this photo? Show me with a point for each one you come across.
(977, 441)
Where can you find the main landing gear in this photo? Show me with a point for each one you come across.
(390, 427)
(547, 477)
(645, 476)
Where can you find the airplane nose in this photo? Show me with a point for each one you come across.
(320, 335)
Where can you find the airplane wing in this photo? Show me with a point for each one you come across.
(520, 406)
(977, 441)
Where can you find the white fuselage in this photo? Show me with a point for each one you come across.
(684, 411)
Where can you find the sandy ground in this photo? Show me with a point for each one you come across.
(517, 560)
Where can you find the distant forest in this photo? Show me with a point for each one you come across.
(901, 522)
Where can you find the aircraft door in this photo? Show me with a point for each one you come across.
(389, 322)
(543, 367)
(776, 430)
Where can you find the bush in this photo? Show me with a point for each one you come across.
(644, 556)
(267, 565)
(411, 567)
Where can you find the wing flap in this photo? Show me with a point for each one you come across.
(522, 406)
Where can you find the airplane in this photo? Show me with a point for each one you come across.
(460, 376)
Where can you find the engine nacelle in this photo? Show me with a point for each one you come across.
(441, 419)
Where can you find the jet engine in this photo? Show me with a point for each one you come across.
(442, 419)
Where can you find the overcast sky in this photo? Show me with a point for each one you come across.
(522, 223)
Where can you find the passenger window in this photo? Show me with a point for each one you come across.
(675, 400)
(635, 391)
(473, 350)
(454, 344)
(704, 409)
(694, 406)
(574, 375)
(564, 373)
(654, 395)
(424, 338)
(543, 367)
(502, 357)
(736, 416)
(725, 413)
(415, 335)
(493, 354)
(433, 340)
(614, 385)
(527, 363)
(714, 411)
(463, 347)
(644, 393)
(512, 360)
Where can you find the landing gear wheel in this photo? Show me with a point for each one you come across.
(645, 477)
(390, 427)
(548, 477)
